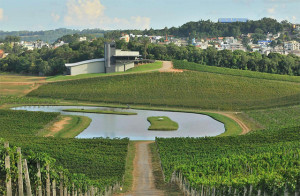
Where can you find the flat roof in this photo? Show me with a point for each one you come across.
(121, 53)
(83, 62)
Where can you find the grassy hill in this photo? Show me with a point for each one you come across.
(234, 72)
(188, 89)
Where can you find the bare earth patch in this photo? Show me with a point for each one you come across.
(168, 67)
(244, 127)
(143, 179)
(56, 127)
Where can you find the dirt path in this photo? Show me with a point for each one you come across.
(56, 127)
(238, 121)
(168, 67)
(143, 179)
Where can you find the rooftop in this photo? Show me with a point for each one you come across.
(83, 62)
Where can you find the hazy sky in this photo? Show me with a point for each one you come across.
(135, 14)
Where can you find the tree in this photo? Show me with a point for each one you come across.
(245, 41)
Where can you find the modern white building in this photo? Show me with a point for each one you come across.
(85, 67)
(114, 61)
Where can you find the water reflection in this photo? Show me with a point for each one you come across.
(135, 127)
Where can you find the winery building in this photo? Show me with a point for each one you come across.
(114, 61)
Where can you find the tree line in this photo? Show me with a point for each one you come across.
(48, 61)
(50, 35)
(207, 28)
(272, 63)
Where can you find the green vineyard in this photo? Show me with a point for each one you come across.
(263, 162)
(277, 117)
(101, 160)
(187, 89)
(233, 72)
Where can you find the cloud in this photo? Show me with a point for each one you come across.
(90, 14)
(55, 17)
(83, 12)
(1, 14)
(271, 10)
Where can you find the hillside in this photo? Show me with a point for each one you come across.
(188, 89)
(49, 36)
(234, 72)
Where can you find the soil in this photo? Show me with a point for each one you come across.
(168, 67)
(56, 127)
(238, 121)
(143, 179)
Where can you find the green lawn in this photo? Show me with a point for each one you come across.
(162, 123)
(147, 67)
(100, 111)
(74, 127)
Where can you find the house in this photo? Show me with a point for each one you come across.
(1, 54)
(114, 61)
(81, 39)
(264, 43)
(125, 37)
(291, 45)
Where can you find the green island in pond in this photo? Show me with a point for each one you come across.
(162, 123)
(100, 111)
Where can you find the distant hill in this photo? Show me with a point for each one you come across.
(50, 36)
(208, 28)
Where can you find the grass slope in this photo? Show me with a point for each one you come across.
(188, 89)
(74, 127)
(100, 111)
(162, 123)
(142, 68)
(234, 72)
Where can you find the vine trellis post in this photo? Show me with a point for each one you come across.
(7, 168)
(20, 173)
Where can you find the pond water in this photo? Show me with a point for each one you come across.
(135, 127)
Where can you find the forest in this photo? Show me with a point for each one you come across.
(208, 28)
(47, 61)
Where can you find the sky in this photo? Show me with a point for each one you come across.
(135, 14)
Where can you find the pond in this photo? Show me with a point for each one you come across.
(135, 127)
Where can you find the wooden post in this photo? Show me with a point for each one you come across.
(48, 190)
(20, 173)
(73, 191)
(61, 189)
(92, 191)
(39, 179)
(7, 168)
(65, 191)
(27, 179)
(54, 187)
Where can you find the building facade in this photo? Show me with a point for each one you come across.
(114, 61)
(291, 46)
